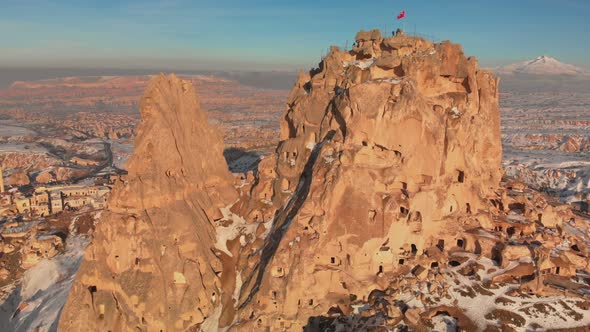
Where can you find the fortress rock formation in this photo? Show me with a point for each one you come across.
(383, 147)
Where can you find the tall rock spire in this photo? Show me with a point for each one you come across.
(151, 264)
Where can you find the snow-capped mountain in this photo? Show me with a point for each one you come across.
(543, 65)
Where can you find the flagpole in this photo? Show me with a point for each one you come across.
(401, 17)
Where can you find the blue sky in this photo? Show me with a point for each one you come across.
(277, 35)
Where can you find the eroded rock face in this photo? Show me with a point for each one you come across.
(384, 147)
(382, 206)
(18, 178)
(37, 248)
(151, 265)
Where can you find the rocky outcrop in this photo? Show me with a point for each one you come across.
(18, 178)
(45, 176)
(38, 247)
(385, 149)
(32, 160)
(151, 265)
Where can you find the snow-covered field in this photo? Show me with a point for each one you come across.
(566, 175)
(22, 148)
(546, 141)
(13, 128)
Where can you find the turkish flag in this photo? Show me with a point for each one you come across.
(401, 15)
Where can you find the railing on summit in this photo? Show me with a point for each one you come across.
(432, 38)
(386, 34)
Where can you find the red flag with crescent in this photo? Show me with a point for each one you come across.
(401, 15)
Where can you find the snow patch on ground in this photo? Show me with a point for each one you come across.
(478, 306)
(386, 80)
(238, 289)
(362, 64)
(238, 227)
(43, 290)
(443, 323)
(476, 300)
(39, 278)
(211, 323)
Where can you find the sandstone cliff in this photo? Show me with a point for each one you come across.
(384, 147)
(151, 265)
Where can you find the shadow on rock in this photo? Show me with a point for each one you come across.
(241, 161)
(284, 218)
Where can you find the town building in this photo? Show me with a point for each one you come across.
(84, 162)
(51, 200)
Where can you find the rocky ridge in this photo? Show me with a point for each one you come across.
(383, 206)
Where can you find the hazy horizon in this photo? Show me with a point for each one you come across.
(261, 79)
(232, 35)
